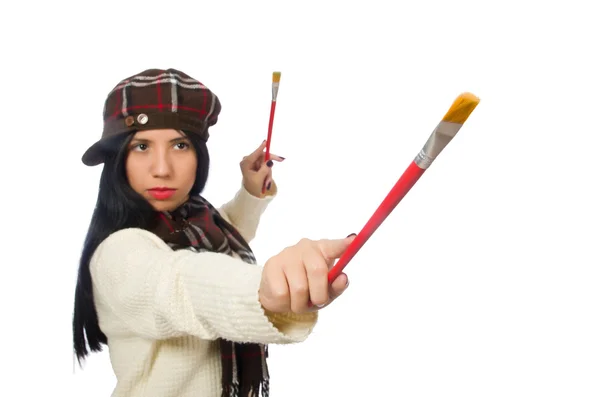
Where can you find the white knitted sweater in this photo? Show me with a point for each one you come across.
(162, 310)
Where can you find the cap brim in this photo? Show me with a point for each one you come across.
(96, 154)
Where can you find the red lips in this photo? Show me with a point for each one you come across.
(161, 193)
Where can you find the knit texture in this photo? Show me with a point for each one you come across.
(163, 310)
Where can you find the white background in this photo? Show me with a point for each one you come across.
(485, 279)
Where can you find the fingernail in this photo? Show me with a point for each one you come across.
(269, 186)
(282, 158)
(270, 163)
(320, 305)
(350, 235)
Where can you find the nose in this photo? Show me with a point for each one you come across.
(161, 164)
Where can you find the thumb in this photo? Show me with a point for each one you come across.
(333, 249)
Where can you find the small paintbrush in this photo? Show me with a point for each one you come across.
(274, 92)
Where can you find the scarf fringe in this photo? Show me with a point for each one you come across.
(256, 390)
(233, 390)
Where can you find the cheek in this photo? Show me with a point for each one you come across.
(190, 173)
(133, 176)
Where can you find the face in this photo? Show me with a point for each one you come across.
(161, 167)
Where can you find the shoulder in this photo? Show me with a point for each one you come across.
(131, 238)
(126, 243)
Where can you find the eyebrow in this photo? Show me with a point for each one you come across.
(143, 140)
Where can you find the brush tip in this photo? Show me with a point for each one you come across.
(462, 108)
(276, 77)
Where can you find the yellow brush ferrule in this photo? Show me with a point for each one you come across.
(462, 108)
(276, 77)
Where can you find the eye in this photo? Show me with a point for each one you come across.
(182, 145)
(140, 147)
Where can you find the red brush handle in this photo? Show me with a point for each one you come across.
(268, 149)
(271, 117)
(410, 176)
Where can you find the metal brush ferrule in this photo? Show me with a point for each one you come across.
(274, 91)
(438, 140)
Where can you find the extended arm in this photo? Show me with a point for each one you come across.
(158, 293)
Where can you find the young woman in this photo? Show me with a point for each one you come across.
(168, 281)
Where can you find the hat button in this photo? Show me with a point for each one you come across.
(142, 118)
(129, 121)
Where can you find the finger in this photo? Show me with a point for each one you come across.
(264, 171)
(298, 286)
(339, 285)
(266, 185)
(333, 249)
(263, 177)
(276, 157)
(316, 272)
(258, 162)
(337, 288)
(255, 155)
(278, 291)
(248, 164)
(268, 181)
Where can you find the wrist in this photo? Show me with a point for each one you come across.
(257, 192)
(250, 190)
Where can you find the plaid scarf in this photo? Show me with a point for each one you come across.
(198, 226)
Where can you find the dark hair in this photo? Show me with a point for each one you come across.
(118, 207)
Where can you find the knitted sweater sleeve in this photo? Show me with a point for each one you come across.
(143, 288)
(244, 212)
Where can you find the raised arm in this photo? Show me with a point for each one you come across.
(244, 211)
(158, 293)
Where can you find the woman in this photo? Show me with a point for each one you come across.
(169, 282)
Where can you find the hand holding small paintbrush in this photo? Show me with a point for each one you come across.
(274, 92)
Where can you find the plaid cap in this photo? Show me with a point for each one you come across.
(155, 99)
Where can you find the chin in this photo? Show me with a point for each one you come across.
(169, 204)
(164, 205)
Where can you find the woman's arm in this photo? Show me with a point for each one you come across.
(159, 293)
(244, 211)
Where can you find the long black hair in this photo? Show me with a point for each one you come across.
(118, 207)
